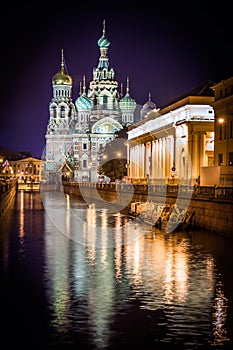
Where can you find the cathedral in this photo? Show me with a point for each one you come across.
(79, 129)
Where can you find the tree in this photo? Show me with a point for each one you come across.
(114, 157)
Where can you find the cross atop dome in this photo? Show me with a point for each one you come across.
(103, 42)
(62, 77)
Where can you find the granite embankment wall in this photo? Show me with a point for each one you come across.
(8, 191)
(212, 207)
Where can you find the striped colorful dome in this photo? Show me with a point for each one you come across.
(127, 103)
(103, 42)
(83, 102)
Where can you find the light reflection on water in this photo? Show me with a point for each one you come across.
(105, 273)
(119, 285)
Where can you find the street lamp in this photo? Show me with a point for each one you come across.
(223, 142)
(222, 135)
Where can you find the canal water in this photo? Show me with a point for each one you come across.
(75, 276)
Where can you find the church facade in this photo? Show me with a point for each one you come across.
(79, 129)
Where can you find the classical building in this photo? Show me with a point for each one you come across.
(223, 151)
(78, 130)
(172, 143)
(26, 170)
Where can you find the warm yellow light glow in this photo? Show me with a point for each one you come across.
(118, 247)
(221, 120)
(67, 215)
(21, 216)
(104, 235)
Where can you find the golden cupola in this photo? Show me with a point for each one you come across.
(62, 78)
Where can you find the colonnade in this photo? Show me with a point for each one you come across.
(172, 158)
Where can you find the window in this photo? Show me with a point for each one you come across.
(63, 112)
(84, 163)
(230, 158)
(220, 159)
(84, 146)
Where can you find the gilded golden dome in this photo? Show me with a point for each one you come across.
(62, 78)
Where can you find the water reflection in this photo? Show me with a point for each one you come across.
(57, 276)
(92, 280)
(21, 249)
(83, 223)
(219, 316)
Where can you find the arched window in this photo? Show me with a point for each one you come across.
(63, 112)
(53, 112)
(105, 99)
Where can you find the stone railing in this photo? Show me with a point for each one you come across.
(208, 192)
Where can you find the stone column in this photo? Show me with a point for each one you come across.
(195, 155)
(202, 149)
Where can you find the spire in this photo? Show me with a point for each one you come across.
(121, 91)
(104, 27)
(62, 60)
(84, 84)
(147, 107)
(127, 102)
(63, 63)
(62, 77)
(103, 42)
(80, 88)
(127, 85)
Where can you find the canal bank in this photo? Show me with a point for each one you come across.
(8, 191)
(212, 206)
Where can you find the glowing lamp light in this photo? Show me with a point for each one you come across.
(221, 120)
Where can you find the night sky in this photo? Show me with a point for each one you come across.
(167, 50)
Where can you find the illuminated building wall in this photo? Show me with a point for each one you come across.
(223, 107)
(77, 131)
(171, 144)
(26, 169)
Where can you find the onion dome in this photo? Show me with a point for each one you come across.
(103, 42)
(147, 107)
(83, 101)
(62, 78)
(127, 102)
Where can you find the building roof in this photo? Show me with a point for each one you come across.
(202, 94)
(204, 89)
